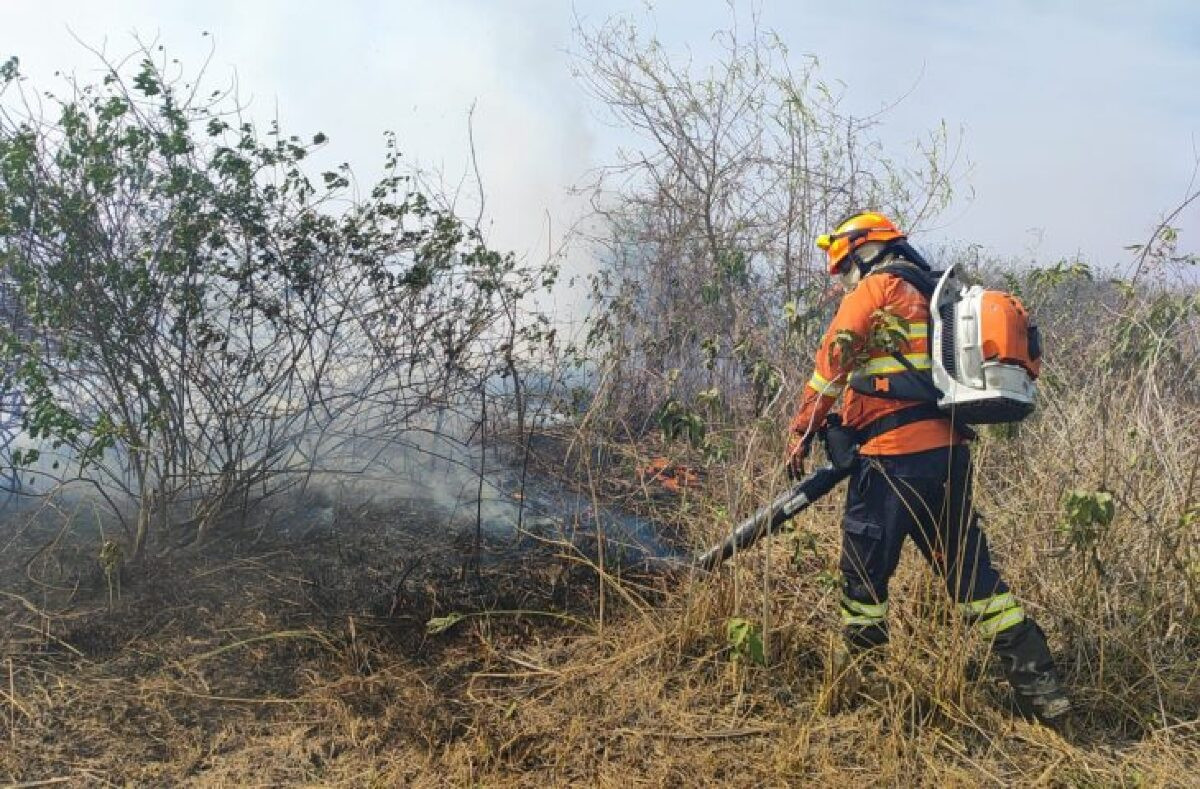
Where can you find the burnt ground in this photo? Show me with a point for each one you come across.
(299, 651)
(252, 652)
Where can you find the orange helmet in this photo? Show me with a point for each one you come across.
(852, 233)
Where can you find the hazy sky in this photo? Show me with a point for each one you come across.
(1081, 120)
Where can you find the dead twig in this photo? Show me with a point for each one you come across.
(722, 734)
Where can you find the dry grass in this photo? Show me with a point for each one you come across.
(307, 662)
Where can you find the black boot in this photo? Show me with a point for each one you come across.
(852, 668)
(865, 638)
(1027, 664)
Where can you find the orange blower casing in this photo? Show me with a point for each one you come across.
(1003, 329)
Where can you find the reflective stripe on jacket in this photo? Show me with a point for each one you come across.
(880, 372)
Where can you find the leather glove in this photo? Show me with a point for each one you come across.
(798, 447)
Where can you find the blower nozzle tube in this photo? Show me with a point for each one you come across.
(768, 519)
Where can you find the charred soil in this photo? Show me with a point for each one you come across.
(372, 648)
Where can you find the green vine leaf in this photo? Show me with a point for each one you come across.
(745, 641)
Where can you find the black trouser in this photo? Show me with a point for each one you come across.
(925, 496)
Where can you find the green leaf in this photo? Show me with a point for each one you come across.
(440, 624)
(745, 641)
(1086, 516)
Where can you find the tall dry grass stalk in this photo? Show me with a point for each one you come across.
(1118, 599)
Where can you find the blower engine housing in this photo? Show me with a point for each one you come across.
(986, 353)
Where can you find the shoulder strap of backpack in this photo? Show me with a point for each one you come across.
(923, 281)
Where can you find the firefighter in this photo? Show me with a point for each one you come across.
(913, 476)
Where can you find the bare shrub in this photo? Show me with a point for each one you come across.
(213, 323)
(708, 279)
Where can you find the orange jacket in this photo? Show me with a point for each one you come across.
(859, 310)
